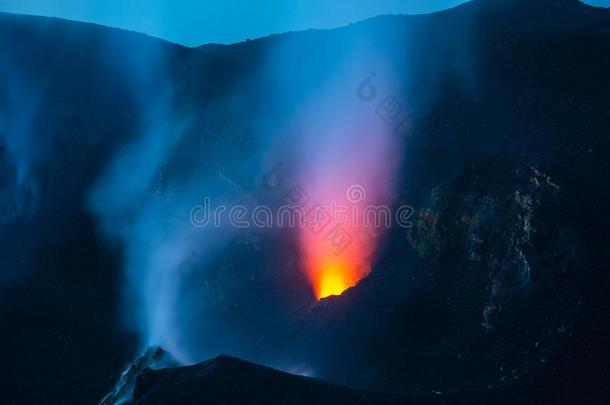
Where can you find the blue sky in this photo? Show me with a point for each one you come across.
(194, 22)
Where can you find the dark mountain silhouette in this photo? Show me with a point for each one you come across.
(498, 293)
(229, 380)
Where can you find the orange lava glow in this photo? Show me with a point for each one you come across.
(333, 277)
(330, 272)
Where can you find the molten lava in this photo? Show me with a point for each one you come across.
(333, 267)
(333, 281)
(333, 275)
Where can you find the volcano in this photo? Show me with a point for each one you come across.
(495, 288)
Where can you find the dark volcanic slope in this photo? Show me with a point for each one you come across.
(228, 380)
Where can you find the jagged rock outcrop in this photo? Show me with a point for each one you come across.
(154, 358)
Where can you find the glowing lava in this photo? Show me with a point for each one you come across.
(333, 281)
(332, 275)
(336, 258)
(346, 158)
